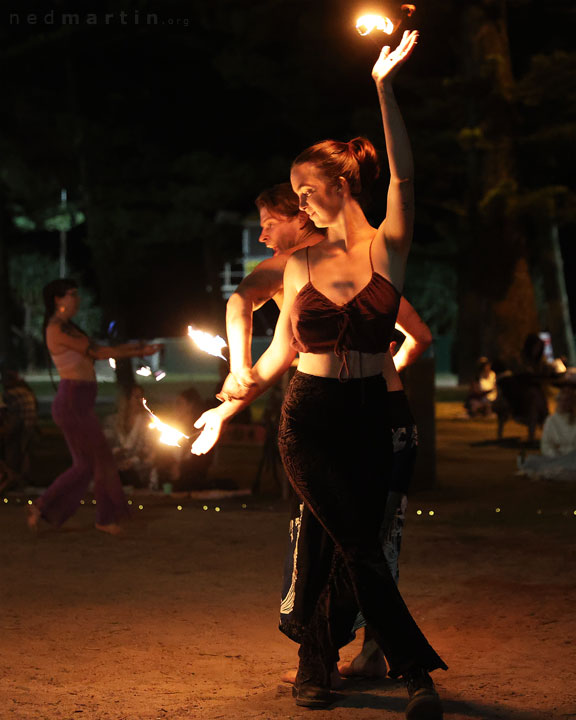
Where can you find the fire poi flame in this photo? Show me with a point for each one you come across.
(112, 363)
(144, 371)
(367, 23)
(168, 435)
(211, 344)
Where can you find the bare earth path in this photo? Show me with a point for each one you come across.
(177, 619)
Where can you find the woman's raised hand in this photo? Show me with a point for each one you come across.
(389, 61)
(211, 423)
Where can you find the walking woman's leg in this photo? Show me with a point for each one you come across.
(63, 497)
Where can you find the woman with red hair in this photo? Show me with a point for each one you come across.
(341, 299)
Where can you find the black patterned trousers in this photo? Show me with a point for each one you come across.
(336, 446)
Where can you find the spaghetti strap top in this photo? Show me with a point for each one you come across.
(364, 324)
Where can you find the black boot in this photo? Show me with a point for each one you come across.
(424, 703)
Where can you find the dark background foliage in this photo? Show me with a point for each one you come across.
(164, 132)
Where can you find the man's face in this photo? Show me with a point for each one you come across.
(279, 233)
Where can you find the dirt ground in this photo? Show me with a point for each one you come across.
(178, 618)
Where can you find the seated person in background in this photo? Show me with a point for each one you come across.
(558, 443)
(176, 465)
(522, 394)
(22, 409)
(131, 440)
(482, 391)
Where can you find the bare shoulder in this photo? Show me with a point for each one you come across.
(299, 258)
(273, 264)
(297, 268)
(63, 336)
(57, 331)
(54, 337)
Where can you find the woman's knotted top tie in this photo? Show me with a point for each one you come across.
(364, 324)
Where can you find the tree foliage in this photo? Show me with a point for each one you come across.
(155, 129)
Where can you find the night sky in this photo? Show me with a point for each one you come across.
(164, 131)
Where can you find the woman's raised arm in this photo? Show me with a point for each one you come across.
(396, 229)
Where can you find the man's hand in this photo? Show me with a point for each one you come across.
(237, 385)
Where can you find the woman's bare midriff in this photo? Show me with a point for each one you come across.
(329, 366)
(83, 370)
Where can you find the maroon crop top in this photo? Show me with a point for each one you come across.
(365, 323)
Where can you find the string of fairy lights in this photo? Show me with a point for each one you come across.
(137, 506)
(217, 508)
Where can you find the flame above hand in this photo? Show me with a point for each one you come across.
(367, 23)
(211, 344)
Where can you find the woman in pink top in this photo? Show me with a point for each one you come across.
(74, 353)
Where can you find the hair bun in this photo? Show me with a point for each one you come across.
(367, 159)
(357, 161)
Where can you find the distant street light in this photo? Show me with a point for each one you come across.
(63, 234)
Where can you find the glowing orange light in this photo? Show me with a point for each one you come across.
(168, 435)
(212, 344)
(367, 23)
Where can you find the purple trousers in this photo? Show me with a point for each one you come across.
(92, 459)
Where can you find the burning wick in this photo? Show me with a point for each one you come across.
(168, 434)
(211, 344)
(145, 371)
(367, 23)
